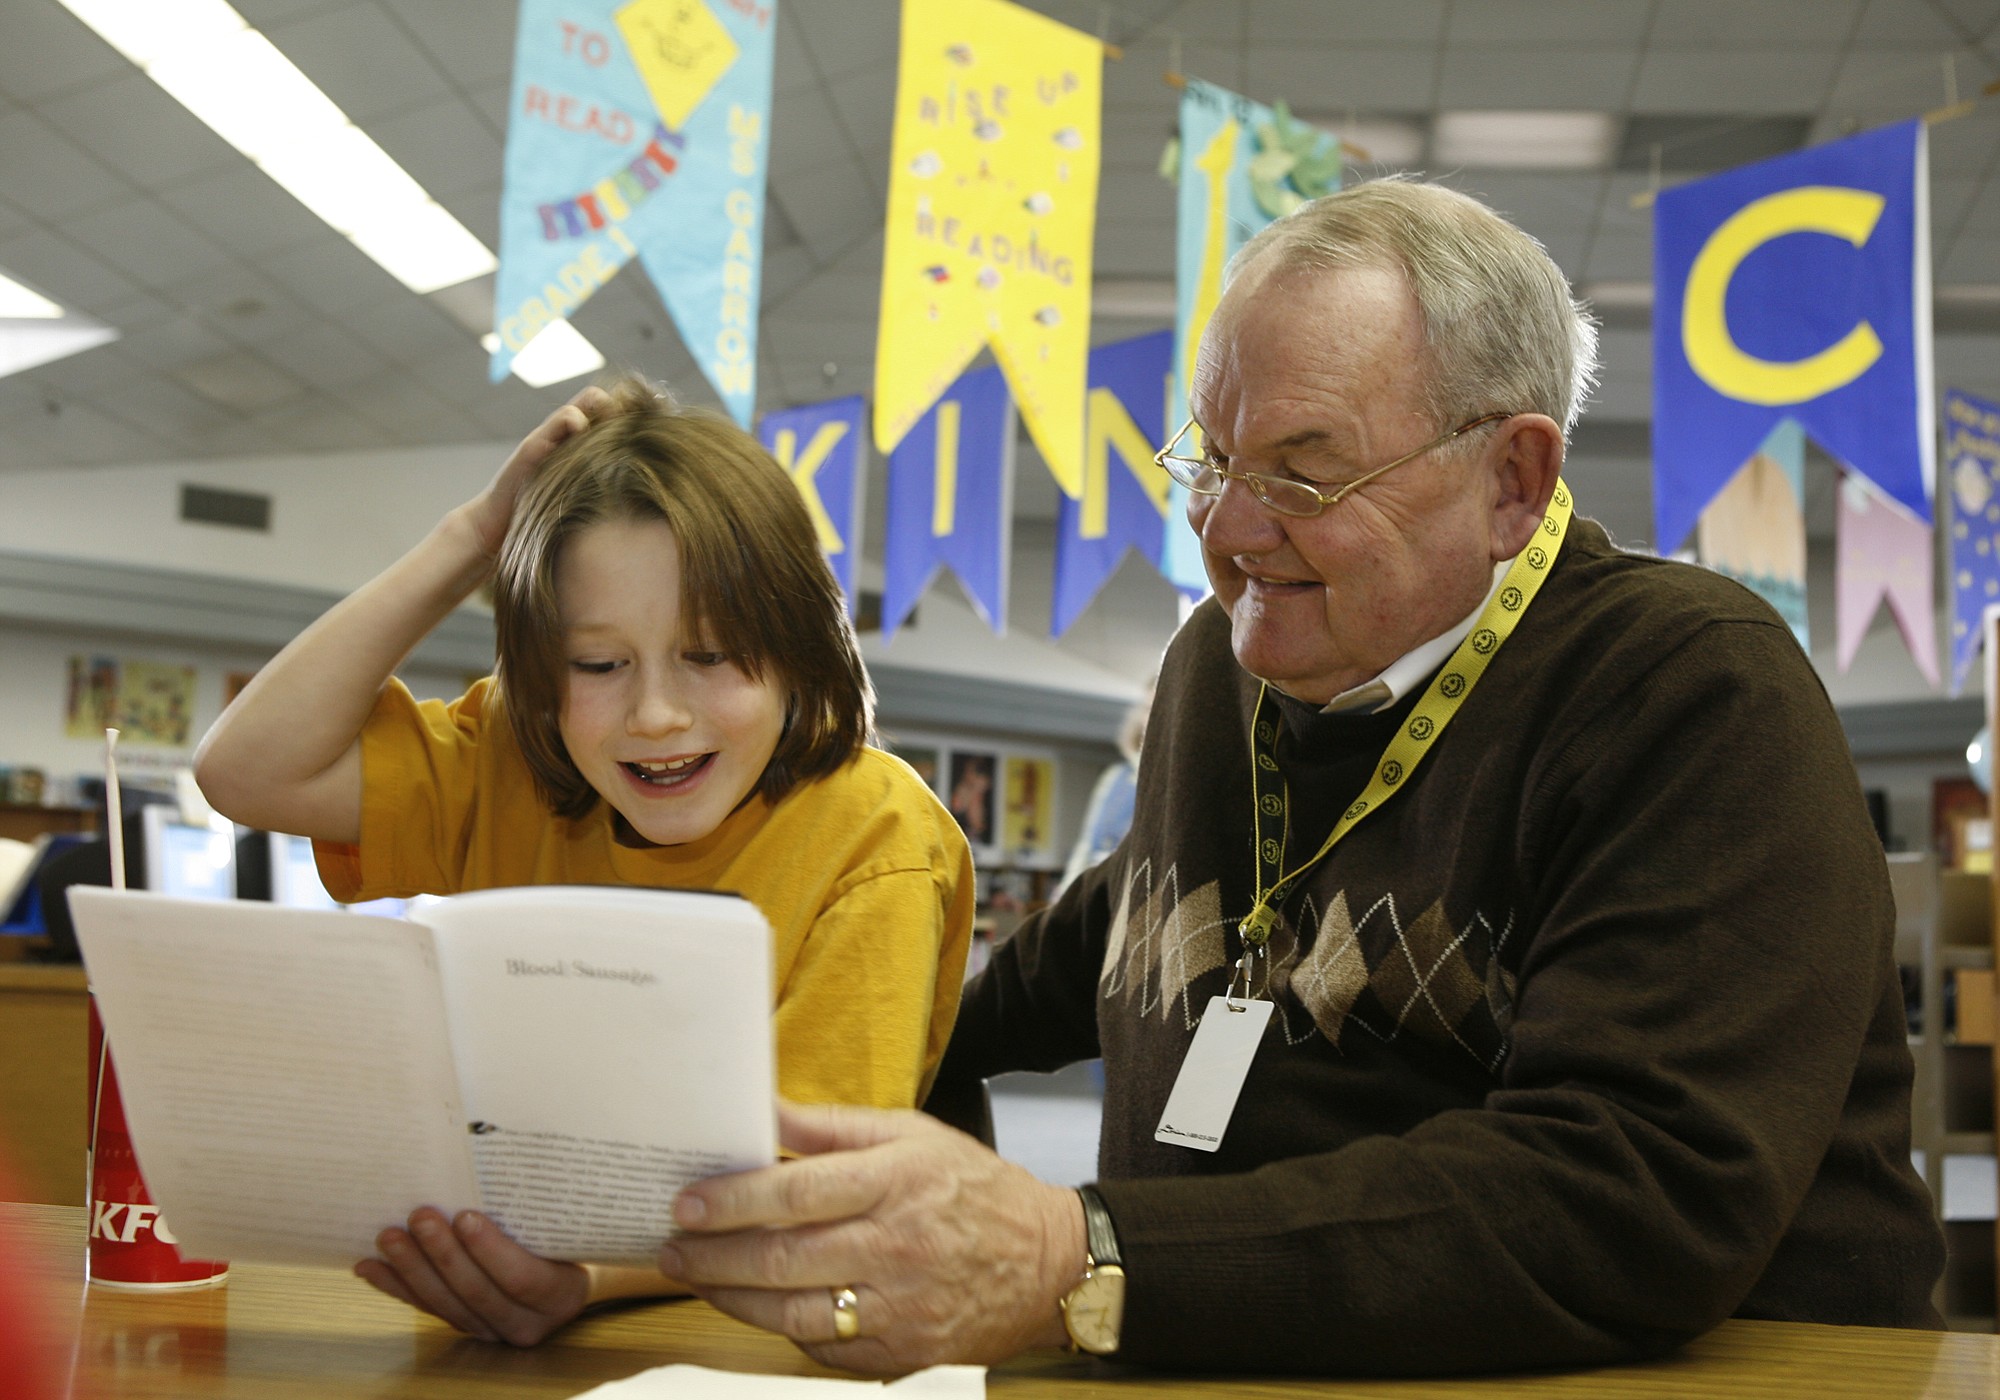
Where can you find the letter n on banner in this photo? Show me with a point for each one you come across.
(819, 446)
(951, 501)
(1124, 499)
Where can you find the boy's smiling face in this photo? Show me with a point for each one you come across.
(667, 728)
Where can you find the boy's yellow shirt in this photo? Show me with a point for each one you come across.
(864, 876)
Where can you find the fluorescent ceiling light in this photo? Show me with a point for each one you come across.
(17, 303)
(1387, 141)
(1525, 140)
(205, 55)
(25, 344)
(557, 352)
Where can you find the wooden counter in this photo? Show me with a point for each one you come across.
(43, 1080)
(297, 1334)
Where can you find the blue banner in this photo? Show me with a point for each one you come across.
(1796, 287)
(1972, 466)
(951, 501)
(639, 128)
(1242, 164)
(820, 447)
(1124, 499)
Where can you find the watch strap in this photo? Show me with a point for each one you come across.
(1100, 1235)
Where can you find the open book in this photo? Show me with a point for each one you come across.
(562, 1058)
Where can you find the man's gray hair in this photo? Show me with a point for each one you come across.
(1501, 330)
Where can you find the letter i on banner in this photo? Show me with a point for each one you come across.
(951, 501)
(639, 128)
(819, 446)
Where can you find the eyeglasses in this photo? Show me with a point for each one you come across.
(1285, 495)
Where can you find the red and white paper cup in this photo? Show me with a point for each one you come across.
(129, 1244)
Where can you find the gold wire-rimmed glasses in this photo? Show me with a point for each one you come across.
(1286, 495)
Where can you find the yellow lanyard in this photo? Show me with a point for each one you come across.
(1434, 711)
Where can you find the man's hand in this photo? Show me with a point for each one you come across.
(953, 1254)
(490, 511)
(471, 1275)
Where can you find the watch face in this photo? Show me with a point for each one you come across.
(1095, 1308)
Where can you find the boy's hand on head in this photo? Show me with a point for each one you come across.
(493, 509)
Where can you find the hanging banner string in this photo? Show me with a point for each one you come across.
(1440, 702)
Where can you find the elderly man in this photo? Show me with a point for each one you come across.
(1538, 873)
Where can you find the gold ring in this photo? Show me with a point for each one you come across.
(846, 1315)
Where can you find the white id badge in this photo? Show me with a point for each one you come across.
(1204, 1095)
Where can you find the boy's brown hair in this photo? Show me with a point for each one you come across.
(753, 583)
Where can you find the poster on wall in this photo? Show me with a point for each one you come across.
(1027, 813)
(149, 702)
(970, 795)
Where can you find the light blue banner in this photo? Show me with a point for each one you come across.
(819, 445)
(1242, 164)
(951, 501)
(1972, 469)
(639, 128)
(1124, 499)
(1796, 287)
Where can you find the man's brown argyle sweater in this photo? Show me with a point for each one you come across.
(1586, 1040)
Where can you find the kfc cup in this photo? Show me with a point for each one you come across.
(129, 1244)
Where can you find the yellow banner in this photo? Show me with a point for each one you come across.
(992, 209)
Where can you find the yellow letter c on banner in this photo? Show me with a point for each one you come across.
(1714, 353)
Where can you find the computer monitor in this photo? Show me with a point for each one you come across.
(188, 861)
(295, 880)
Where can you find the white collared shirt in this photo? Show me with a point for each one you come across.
(1403, 674)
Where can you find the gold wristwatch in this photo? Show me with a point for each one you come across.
(1094, 1310)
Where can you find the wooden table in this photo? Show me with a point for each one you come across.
(299, 1334)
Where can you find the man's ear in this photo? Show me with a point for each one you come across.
(1528, 460)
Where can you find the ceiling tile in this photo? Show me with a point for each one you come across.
(322, 424)
(836, 296)
(830, 207)
(168, 345)
(478, 208)
(1135, 196)
(1737, 80)
(1134, 250)
(1347, 21)
(44, 50)
(785, 271)
(82, 435)
(147, 241)
(1328, 80)
(456, 375)
(171, 408)
(847, 38)
(493, 102)
(1225, 20)
(1138, 80)
(1558, 209)
(243, 304)
(409, 411)
(333, 275)
(445, 145)
(1134, 137)
(131, 124)
(58, 268)
(1617, 255)
(1969, 145)
(264, 14)
(810, 133)
(791, 62)
(1536, 78)
(407, 328)
(1907, 24)
(471, 40)
(1740, 24)
(101, 370)
(245, 211)
(47, 176)
(1556, 24)
(866, 102)
(1893, 84)
(326, 355)
(361, 59)
(1972, 260)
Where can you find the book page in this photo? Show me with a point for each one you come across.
(613, 1045)
(285, 1072)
